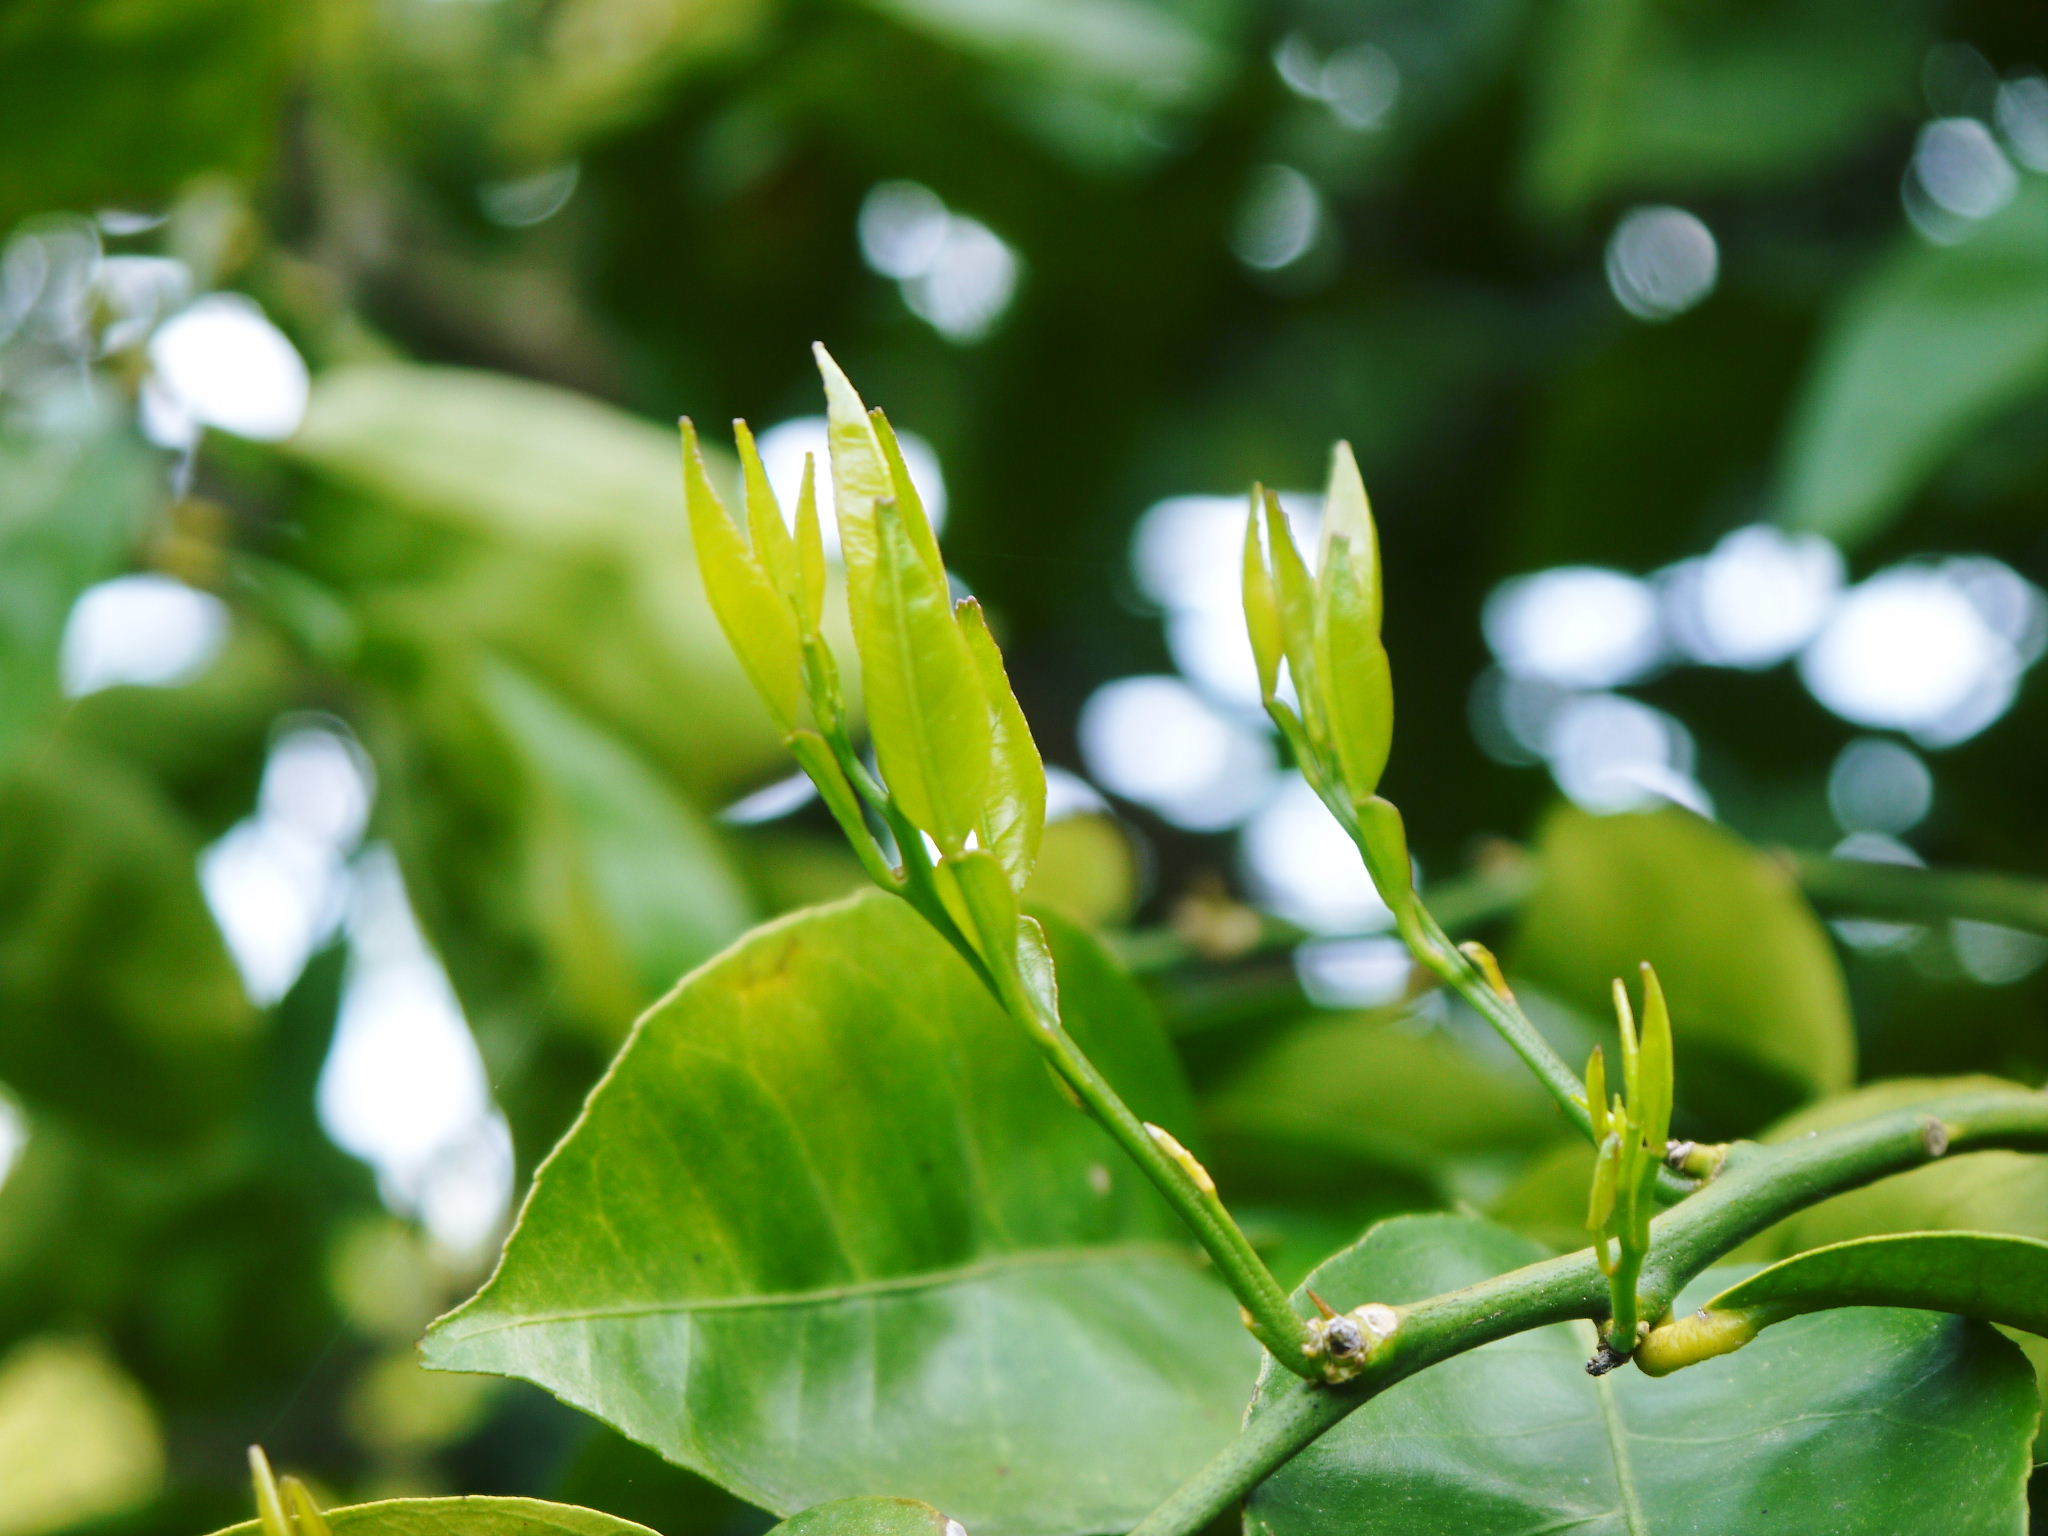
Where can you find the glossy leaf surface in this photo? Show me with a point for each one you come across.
(1984, 1191)
(867, 1517)
(828, 1229)
(1015, 818)
(1997, 1278)
(1849, 1422)
(933, 728)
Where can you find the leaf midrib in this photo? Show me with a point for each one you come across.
(891, 1285)
(1617, 1445)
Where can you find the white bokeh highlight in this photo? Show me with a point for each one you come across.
(219, 362)
(1157, 741)
(146, 629)
(403, 1087)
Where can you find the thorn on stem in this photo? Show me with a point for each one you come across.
(1322, 1306)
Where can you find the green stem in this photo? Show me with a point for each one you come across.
(1911, 894)
(1757, 1186)
(1433, 947)
(1269, 1313)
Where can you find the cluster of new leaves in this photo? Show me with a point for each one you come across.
(1631, 1134)
(961, 790)
(1324, 630)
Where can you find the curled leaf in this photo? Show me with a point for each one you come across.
(1296, 594)
(1654, 1115)
(774, 548)
(1347, 521)
(810, 549)
(976, 891)
(1262, 610)
(904, 492)
(757, 619)
(270, 1511)
(1596, 1093)
(1354, 683)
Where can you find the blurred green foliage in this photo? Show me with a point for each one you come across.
(514, 239)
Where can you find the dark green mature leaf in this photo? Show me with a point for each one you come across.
(1633, 95)
(1985, 1275)
(1985, 1191)
(474, 1516)
(1362, 1092)
(1932, 344)
(125, 102)
(827, 1229)
(1758, 1007)
(1854, 1421)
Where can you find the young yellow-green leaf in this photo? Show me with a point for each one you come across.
(774, 549)
(1262, 609)
(860, 475)
(825, 1228)
(473, 1516)
(1352, 675)
(926, 708)
(810, 549)
(756, 618)
(977, 891)
(1657, 1067)
(1866, 1421)
(1631, 1049)
(307, 1518)
(1383, 839)
(1596, 1092)
(1296, 594)
(1015, 819)
(1600, 1203)
(905, 493)
(270, 1513)
(1347, 519)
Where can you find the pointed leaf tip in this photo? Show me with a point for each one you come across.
(1345, 502)
(270, 1511)
(1261, 608)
